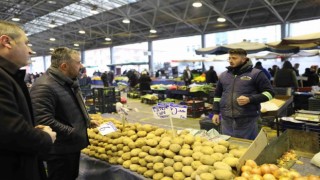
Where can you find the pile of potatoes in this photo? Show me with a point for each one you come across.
(162, 154)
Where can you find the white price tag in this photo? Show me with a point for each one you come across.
(107, 128)
(160, 112)
(179, 111)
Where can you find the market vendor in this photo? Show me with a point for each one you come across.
(239, 92)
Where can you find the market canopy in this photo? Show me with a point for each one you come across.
(126, 64)
(250, 47)
(306, 41)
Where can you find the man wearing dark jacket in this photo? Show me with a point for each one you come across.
(238, 95)
(58, 102)
(211, 76)
(20, 141)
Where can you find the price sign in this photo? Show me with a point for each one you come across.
(161, 112)
(107, 128)
(178, 111)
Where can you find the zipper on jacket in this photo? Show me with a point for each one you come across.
(234, 79)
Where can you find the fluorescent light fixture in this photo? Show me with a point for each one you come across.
(221, 19)
(51, 49)
(52, 39)
(153, 31)
(126, 20)
(29, 44)
(197, 4)
(107, 39)
(82, 31)
(15, 18)
(52, 2)
(52, 24)
(76, 44)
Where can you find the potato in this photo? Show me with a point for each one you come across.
(197, 155)
(158, 167)
(169, 154)
(186, 152)
(166, 178)
(189, 139)
(203, 169)
(142, 162)
(159, 131)
(168, 171)
(220, 149)
(178, 176)
(151, 136)
(175, 148)
(142, 154)
(206, 176)
(177, 166)
(168, 162)
(186, 146)
(134, 167)
(126, 164)
(231, 161)
(196, 164)
(222, 165)
(135, 152)
(187, 161)
(150, 165)
(197, 148)
(177, 140)
(153, 151)
(224, 143)
(126, 156)
(236, 152)
(222, 174)
(207, 150)
(157, 159)
(141, 170)
(145, 148)
(141, 133)
(233, 146)
(207, 160)
(164, 144)
(187, 170)
(140, 142)
(178, 158)
(135, 160)
(152, 142)
(157, 176)
(149, 173)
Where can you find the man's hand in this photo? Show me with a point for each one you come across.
(243, 100)
(94, 124)
(48, 130)
(215, 119)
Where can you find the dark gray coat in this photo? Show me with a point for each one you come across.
(20, 142)
(55, 104)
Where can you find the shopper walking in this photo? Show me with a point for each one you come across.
(187, 76)
(238, 95)
(20, 141)
(286, 76)
(58, 102)
(211, 75)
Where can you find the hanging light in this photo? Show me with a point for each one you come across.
(76, 44)
(94, 9)
(82, 31)
(107, 39)
(52, 39)
(52, 24)
(51, 49)
(29, 44)
(221, 19)
(15, 18)
(126, 20)
(153, 31)
(197, 4)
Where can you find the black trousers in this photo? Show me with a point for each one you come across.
(63, 166)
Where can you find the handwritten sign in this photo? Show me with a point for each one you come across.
(107, 128)
(178, 111)
(165, 110)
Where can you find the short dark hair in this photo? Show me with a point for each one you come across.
(61, 55)
(238, 51)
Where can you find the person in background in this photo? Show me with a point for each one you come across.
(187, 76)
(110, 77)
(286, 76)
(238, 95)
(259, 66)
(296, 68)
(104, 79)
(58, 102)
(211, 75)
(144, 82)
(313, 78)
(273, 70)
(20, 141)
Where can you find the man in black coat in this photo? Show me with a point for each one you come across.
(20, 141)
(211, 76)
(58, 101)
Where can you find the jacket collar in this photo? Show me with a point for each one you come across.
(61, 78)
(239, 70)
(8, 66)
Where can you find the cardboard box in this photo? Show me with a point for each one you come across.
(254, 149)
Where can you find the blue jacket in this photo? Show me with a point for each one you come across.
(246, 81)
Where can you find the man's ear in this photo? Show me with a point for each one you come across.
(5, 41)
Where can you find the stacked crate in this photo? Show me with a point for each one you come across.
(104, 99)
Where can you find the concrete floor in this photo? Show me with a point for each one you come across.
(144, 115)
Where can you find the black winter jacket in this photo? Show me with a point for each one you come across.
(55, 105)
